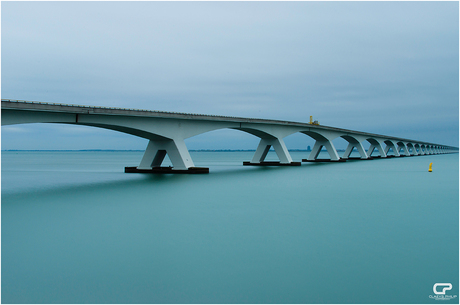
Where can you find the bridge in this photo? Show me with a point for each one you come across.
(166, 132)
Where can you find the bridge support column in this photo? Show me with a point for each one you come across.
(404, 148)
(391, 145)
(156, 152)
(317, 149)
(423, 150)
(427, 150)
(359, 147)
(411, 147)
(376, 144)
(280, 149)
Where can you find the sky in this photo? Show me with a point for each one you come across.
(389, 68)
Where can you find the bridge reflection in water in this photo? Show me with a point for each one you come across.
(166, 132)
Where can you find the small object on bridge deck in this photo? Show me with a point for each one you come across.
(313, 122)
(430, 169)
(167, 170)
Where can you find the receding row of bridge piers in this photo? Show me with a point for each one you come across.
(181, 160)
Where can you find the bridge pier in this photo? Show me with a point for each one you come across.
(323, 139)
(423, 149)
(155, 154)
(427, 150)
(411, 147)
(313, 157)
(393, 146)
(418, 149)
(376, 144)
(352, 143)
(280, 149)
(360, 149)
(401, 145)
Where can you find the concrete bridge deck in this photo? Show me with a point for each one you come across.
(167, 131)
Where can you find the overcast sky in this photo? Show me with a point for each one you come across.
(390, 68)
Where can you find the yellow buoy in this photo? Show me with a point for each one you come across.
(430, 169)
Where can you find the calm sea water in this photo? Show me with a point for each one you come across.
(76, 229)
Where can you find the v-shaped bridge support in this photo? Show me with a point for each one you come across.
(280, 148)
(155, 154)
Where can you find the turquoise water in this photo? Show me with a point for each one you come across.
(76, 229)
